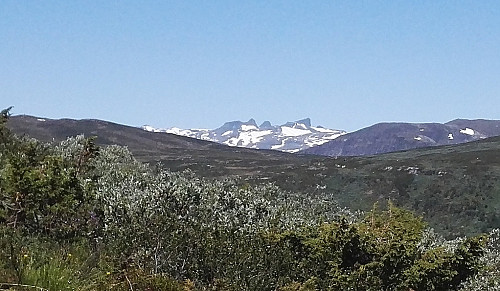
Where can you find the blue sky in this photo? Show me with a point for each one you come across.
(192, 64)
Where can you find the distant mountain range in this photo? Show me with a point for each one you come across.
(301, 137)
(391, 137)
(290, 137)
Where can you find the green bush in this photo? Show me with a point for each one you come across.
(381, 252)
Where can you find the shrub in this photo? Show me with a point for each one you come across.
(380, 253)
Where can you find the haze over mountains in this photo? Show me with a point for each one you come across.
(290, 137)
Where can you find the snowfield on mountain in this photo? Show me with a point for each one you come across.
(290, 137)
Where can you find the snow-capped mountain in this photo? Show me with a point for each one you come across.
(290, 137)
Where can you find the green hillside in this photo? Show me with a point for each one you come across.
(456, 188)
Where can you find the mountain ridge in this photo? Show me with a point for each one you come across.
(388, 137)
(290, 137)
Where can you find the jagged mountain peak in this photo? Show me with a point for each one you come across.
(266, 125)
(290, 137)
(305, 121)
(251, 121)
(302, 123)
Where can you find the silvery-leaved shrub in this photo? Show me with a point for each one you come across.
(193, 228)
(488, 277)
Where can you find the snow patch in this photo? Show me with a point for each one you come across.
(322, 129)
(300, 125)
(258, 134)
(247, 138)
(417, 138)
(176, 130)
(288, 131)
(231, 142)
(450, 136)
(277, 147)
(205, 136)
(40, 119)
(467, 131)
(245, 127)
(149, 128)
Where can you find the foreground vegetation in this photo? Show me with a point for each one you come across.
(77, 217)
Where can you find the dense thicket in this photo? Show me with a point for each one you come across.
(73, 216)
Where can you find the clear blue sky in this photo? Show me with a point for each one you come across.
(191, 64)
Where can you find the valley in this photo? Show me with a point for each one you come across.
(454, 187)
